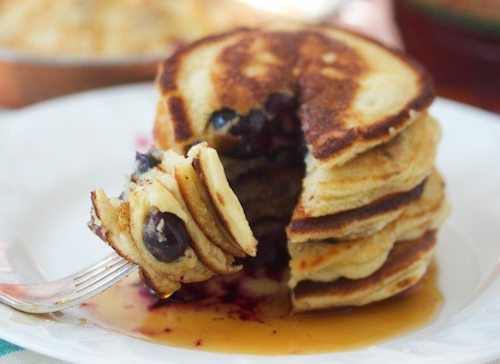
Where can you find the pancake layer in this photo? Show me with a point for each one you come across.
(396, 166)
(405, 266)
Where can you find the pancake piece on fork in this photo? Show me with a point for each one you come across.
(171, 223)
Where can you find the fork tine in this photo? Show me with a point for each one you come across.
(91, 290)
(95, 278)
(66, 292)
(97, 269)
(109, 260)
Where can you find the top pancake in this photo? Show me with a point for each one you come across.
(392, 167)
(353, 93)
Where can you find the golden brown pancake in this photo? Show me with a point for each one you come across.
(226, 204)
(351, 224)
(406, 264)
(111, 222)
(326, 261)
(396, 166)
(353, 92)
(427, 213)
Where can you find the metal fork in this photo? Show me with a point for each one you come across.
(66, 292)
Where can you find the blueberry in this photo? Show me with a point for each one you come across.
(144, 162)
(165, 236)
(123, 196)
(256, 121)
(277, 103)
(221, 118)
(254, 133)
(283, 108)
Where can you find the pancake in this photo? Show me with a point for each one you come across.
(329, 259)
(208, 252)
(268, 193)
(397, 166)
(405, 266)
(111, 222)
(353, 93)
(225, 202)
(198, 202)
(351, 224)
(173, 242)
(427, 213)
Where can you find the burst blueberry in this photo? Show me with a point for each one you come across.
(221, 118)
(165, 236)
(144, 162)
(279, 102)
(254, 135)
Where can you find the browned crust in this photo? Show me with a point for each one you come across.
(232, 248)
(322, 103)
(335, 221)
(198, 168)
(424, 99)
(382, 128)
(182, 131)
(169, 69)
(401, 256)
(167, 82)
(102, 233)
(241, 92)
(93, 225)
(161, 134)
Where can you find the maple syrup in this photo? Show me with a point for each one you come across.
(249, 313)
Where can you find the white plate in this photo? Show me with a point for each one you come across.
(53, 154)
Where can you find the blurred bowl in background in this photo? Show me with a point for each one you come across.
(50, 48)
(458, 41)
(26, 79)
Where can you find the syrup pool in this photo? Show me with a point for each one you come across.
(248, 313)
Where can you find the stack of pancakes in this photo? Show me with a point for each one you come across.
(325, 131)
(178, 219)
(365, 230)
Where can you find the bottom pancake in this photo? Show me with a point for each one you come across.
(405, 266)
